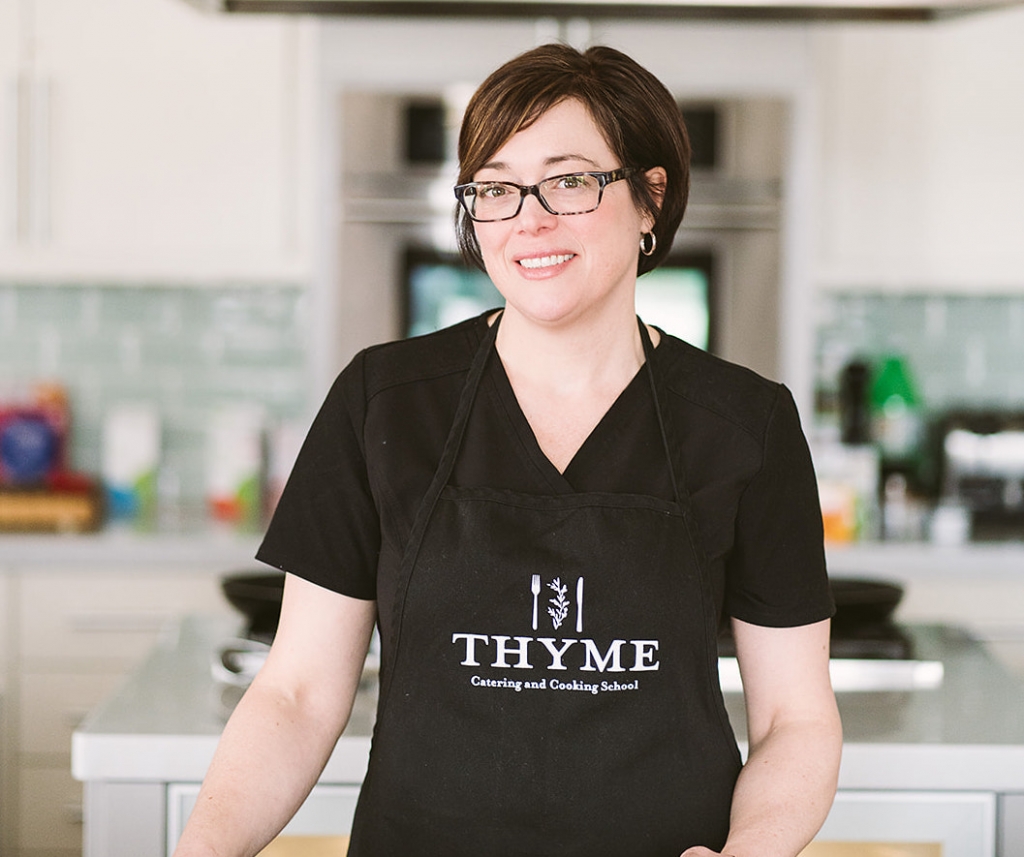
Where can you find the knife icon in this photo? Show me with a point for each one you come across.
(579, 605)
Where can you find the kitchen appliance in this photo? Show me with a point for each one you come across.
(439, 289)
(981, 470)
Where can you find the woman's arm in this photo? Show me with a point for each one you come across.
(285, 727)
(786, 788)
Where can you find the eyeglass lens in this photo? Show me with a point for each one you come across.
(578, 193)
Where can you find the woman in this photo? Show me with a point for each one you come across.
(547, 509)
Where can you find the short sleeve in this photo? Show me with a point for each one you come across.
(325, 527)
(776, 574)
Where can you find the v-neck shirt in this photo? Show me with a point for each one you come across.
(588, 469)
(348, 506)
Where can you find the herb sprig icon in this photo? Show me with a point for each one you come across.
(560, 605)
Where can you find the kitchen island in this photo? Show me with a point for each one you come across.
(942, 763)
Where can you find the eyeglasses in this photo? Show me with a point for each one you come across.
(572, 193)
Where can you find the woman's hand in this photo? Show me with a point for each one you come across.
(701, 851)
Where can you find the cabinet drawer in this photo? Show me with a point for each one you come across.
(327, 813)
(950, 823)
(112, 617)
(51, 705)
(50, 803)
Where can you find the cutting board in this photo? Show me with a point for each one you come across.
(307, 846)
(872, 849)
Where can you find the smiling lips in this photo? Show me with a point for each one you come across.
(545, 261)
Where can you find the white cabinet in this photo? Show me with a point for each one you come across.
(10, 123)
(71, 636)
(951, 823)
(150, 141)
(327, 811)
(919, 167)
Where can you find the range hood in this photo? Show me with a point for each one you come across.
(773, 10)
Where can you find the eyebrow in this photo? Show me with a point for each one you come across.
(548, 162)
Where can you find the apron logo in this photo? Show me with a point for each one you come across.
(501, 651)
(559, 609)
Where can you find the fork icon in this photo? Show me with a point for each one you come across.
(535, 589)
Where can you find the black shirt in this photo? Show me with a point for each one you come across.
(376, 442)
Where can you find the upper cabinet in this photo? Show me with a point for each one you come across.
(920, 174)
(145, 140)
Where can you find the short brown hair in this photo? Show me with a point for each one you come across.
(633, 109)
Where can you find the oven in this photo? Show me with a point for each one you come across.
(397, 271)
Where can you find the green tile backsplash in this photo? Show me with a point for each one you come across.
(964, 351)
(188, 350)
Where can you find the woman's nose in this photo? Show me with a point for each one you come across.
(533, 214)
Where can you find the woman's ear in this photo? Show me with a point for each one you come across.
(657, 179)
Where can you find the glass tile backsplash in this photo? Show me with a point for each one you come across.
(187, 351)
(965, 351)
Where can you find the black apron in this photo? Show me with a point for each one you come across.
(549, 676)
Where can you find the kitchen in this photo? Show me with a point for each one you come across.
(183, 241)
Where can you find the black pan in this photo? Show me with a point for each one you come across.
(257, 595)
(864, 601)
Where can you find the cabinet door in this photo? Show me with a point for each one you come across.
(328, 811)
(105, 622)
(171, 144)
(920, 169)
(951, 823)
(10, 54)
(872, 181)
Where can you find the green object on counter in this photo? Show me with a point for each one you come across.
(896, 411)
(893, 385)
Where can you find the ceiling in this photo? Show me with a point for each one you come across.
(794, 10)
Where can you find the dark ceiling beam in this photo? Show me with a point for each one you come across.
(833, 10)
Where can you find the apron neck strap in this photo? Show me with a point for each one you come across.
(458, 430)
(664, 424)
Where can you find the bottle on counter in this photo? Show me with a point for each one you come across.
(897, 423)
(854, 406)
(236, 465)
(130, 461)
(898, 430)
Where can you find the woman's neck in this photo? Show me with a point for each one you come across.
(565, 381)
(570, 360)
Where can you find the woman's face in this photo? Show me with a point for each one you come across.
(556, 269)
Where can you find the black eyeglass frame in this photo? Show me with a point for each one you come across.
(604, 178)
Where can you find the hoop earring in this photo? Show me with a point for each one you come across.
(647, 251)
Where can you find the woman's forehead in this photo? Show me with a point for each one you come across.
(564, 133)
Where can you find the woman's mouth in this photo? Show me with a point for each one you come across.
(535, 262)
